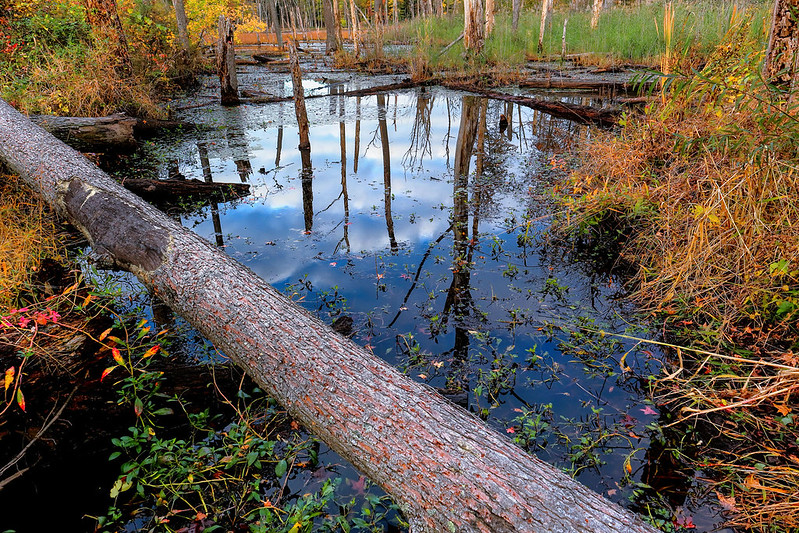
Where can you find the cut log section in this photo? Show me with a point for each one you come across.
(446, 468)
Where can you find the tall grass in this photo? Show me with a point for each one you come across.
(632, 34)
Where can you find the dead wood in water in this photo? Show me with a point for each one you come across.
(90, 134)
(446, 468)
(299, 97)
(173, 191)
(226, 63)
(574, 112)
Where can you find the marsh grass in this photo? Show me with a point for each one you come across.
(27, 235)
(703, 192)
(626, 34)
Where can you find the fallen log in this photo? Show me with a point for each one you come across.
(174, 191)
(446, 468)
(584, 84)
(578, 113)
(92, 134)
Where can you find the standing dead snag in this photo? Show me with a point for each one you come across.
(299, 96)
(783, 46)
(446, 468)
(226, 63)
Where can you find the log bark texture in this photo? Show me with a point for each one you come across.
(89, 134)
(172, 191)
(783, 46)
(446, 468)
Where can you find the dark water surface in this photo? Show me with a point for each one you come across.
(419, 217)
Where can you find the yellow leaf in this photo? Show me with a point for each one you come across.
(296, 527)
(9, 377)
(117, 356)
(152, 351)
(104, 334)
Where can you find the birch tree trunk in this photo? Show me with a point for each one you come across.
(546, 11)
(596, 11)
(783, 46)
(489, 18)
(517, 8)
(447, 469)
(355, 29)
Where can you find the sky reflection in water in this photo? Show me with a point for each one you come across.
(416, 216)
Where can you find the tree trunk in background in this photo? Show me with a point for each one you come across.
(226, 63)
(489, 18)
(378, 12)
(331, 42)
(783, 46)
(277, 27)
(596, 11)
(183, 29)
(546, 11)
(447, 469)
(517, 8)
(102, 16)
(473, 26)
(355, 30)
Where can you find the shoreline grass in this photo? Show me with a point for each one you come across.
(701, 193)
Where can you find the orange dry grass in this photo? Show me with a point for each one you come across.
(27, 234)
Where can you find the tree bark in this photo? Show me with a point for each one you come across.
(447, 469)
(517, 8)
(355, 29)
(182, 24)
(489, 18)
(277, 27)
(226, 63)
(783, 46)
(332, 43)
(172, 191)
(113, 133)
(473, 26)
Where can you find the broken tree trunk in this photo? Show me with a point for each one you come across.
(226, 63)
(92, 134)
(446, 468)
(299, 97)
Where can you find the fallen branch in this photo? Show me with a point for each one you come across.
(577, 113)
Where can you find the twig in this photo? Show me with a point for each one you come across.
(41, 432)
(450, 45)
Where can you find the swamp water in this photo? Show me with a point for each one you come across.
(422, 220)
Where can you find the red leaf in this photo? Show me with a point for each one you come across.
(138, 407)
(20, 399)
(106, 372)
(117, 356)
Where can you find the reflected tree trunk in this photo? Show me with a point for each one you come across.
(345, 195)
(383, 126)
(208, 177)
(279, 147)
(357, 135)
(307, 188)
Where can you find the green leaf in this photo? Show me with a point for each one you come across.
(281, 468)
(164, 411)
